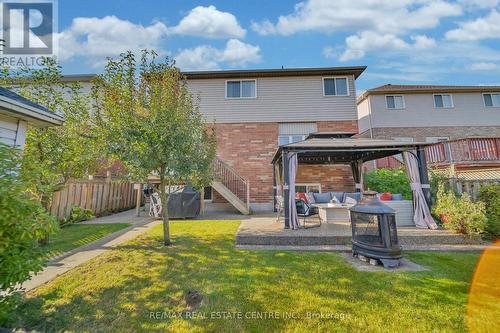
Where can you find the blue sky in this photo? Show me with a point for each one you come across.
(401, 41)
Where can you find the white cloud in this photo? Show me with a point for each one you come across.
(329, 52)
(423, 42)
(484, 66)
(238, 53)
(358, 45)
(480, 28)
(206, 57)
(209, 22)
(479, 4)
(394, 17)
(97, 38)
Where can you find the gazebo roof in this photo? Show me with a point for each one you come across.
(345, 150)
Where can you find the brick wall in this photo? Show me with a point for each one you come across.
(332, 177)
(420, 133)
(250, 147)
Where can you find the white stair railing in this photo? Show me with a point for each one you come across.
(238, 185)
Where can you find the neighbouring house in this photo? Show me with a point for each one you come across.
(255, 111)
(17, 113)
(465, 119)
(429, 113)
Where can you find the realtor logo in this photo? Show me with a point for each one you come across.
(28, 27)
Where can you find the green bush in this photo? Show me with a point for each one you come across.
(23, 221)
(460, 214)
(490, 195)
(389, 180)
(78, 214)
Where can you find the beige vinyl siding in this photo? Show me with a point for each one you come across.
(12, 131)
(279, 99)
(468, 110)
(364, 115)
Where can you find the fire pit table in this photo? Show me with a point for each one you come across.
(333, 212)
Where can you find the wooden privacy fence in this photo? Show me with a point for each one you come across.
(100, 196)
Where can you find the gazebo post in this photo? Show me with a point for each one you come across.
(286, 188)
(274, 187)
(356, 174)
(424, 177)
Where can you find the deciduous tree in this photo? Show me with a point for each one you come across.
(149, 120)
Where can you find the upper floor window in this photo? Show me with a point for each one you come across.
(241, 89)
(443, 101)
(335, 86)
(492, 100)
(395, 102)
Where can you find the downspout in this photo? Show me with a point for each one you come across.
(371, 126)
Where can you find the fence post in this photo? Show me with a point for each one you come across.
(138, 199)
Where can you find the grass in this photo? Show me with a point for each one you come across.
(75, 235)
(137, 286)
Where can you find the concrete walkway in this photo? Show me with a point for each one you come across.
(82, 254)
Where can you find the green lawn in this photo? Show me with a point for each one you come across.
(76, 235)
(137, 286)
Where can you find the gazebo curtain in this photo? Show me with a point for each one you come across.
(292, 172)
(422, 215)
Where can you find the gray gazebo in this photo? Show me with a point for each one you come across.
(319, 148)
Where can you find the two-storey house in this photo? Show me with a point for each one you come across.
(429, 113)
(254, 111)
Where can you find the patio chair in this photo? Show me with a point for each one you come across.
(305, 210)
(155, 206)
(279, 207)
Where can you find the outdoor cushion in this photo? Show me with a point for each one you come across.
(386, 196)
(302, 196)
(353, 195)
(322, 197)
(338, 195)
(350, 201)
(397, 196)
(310, 197)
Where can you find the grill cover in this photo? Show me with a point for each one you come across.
(184, 205)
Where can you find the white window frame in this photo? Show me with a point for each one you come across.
(484, 101)
(395, 108)
(404, 138)
(310, 184)
(335, 83)
(304, 136)
(240, 80)
(437, 139)
(443, 107)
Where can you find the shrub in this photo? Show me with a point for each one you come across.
(490, 195)
(389, 180)
(78, 214)
(23, 221)
(460, 214)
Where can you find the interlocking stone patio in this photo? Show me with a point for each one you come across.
(263, 231)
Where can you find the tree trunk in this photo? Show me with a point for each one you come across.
(164, 211)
